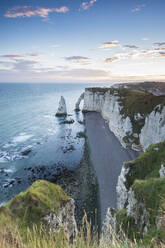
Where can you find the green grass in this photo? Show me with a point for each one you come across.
(152, 193)
(127, 225)
(21, 223)
(10, 237)
(137, 101)
(149, 189)
(147, 165)
(28, 208)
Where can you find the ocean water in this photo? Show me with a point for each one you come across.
(27, 121)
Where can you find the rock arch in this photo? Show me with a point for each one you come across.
(77, 105)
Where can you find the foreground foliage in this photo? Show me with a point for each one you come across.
(10, 237)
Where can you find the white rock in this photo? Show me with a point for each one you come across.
(77, 105)
(154, 129)
(64, 220)
(62, 107)
(122, 192)
(138, 211)
(93, 101)
(108, 231)
(162, 171)
(109, 107)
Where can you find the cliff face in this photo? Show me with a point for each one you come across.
(141, 197)
(154, 129)
(137, 118)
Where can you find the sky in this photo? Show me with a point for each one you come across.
(82, 40)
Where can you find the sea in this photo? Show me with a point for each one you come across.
(34, 143)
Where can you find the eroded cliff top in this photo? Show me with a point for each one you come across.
(29, 207)
(133, 100)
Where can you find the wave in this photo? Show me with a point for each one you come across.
(22, 137)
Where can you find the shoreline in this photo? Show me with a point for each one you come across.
(81, 185)
(107, 156)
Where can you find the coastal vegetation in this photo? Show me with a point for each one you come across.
(143, 179)
(22, 223)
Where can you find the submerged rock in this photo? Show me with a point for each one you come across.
(69, 148)
(62, 111)
(81, 135)
(26, 151)
(70, 121)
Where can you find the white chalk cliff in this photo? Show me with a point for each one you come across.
(154, 128)
(64, 220)
(77, 105)
(151, 127)
(136, 127)
(62, 107)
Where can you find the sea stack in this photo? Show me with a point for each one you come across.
(62, 107)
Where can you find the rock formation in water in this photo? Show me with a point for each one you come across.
(136, 117)
(62, 111)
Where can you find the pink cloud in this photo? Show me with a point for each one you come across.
(110, 60)
(109, 44)
(37, 55)
(28, 11)
(16, 56)
(63, 9)
(22, 56)
(87, 5)
(138, 8)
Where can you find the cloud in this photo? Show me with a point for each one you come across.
(20, 56)
(87, 5)
(110, 60)
(56, 45)
(37, 55)
(159, 48)
(123, 56)
(138, 8)
(131, 46)
(78, 59)
(13, 56)
(159, 44)
(28, 11)
(133, 53)
(109, 44)
(86, 73)
(162, 54)
(62, 9)
(145, 38)
(24, 65)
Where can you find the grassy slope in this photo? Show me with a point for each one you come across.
(147, 165)
(28, 208)
(149, 188)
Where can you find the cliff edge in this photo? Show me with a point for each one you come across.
(141, 198)
(136, 117)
